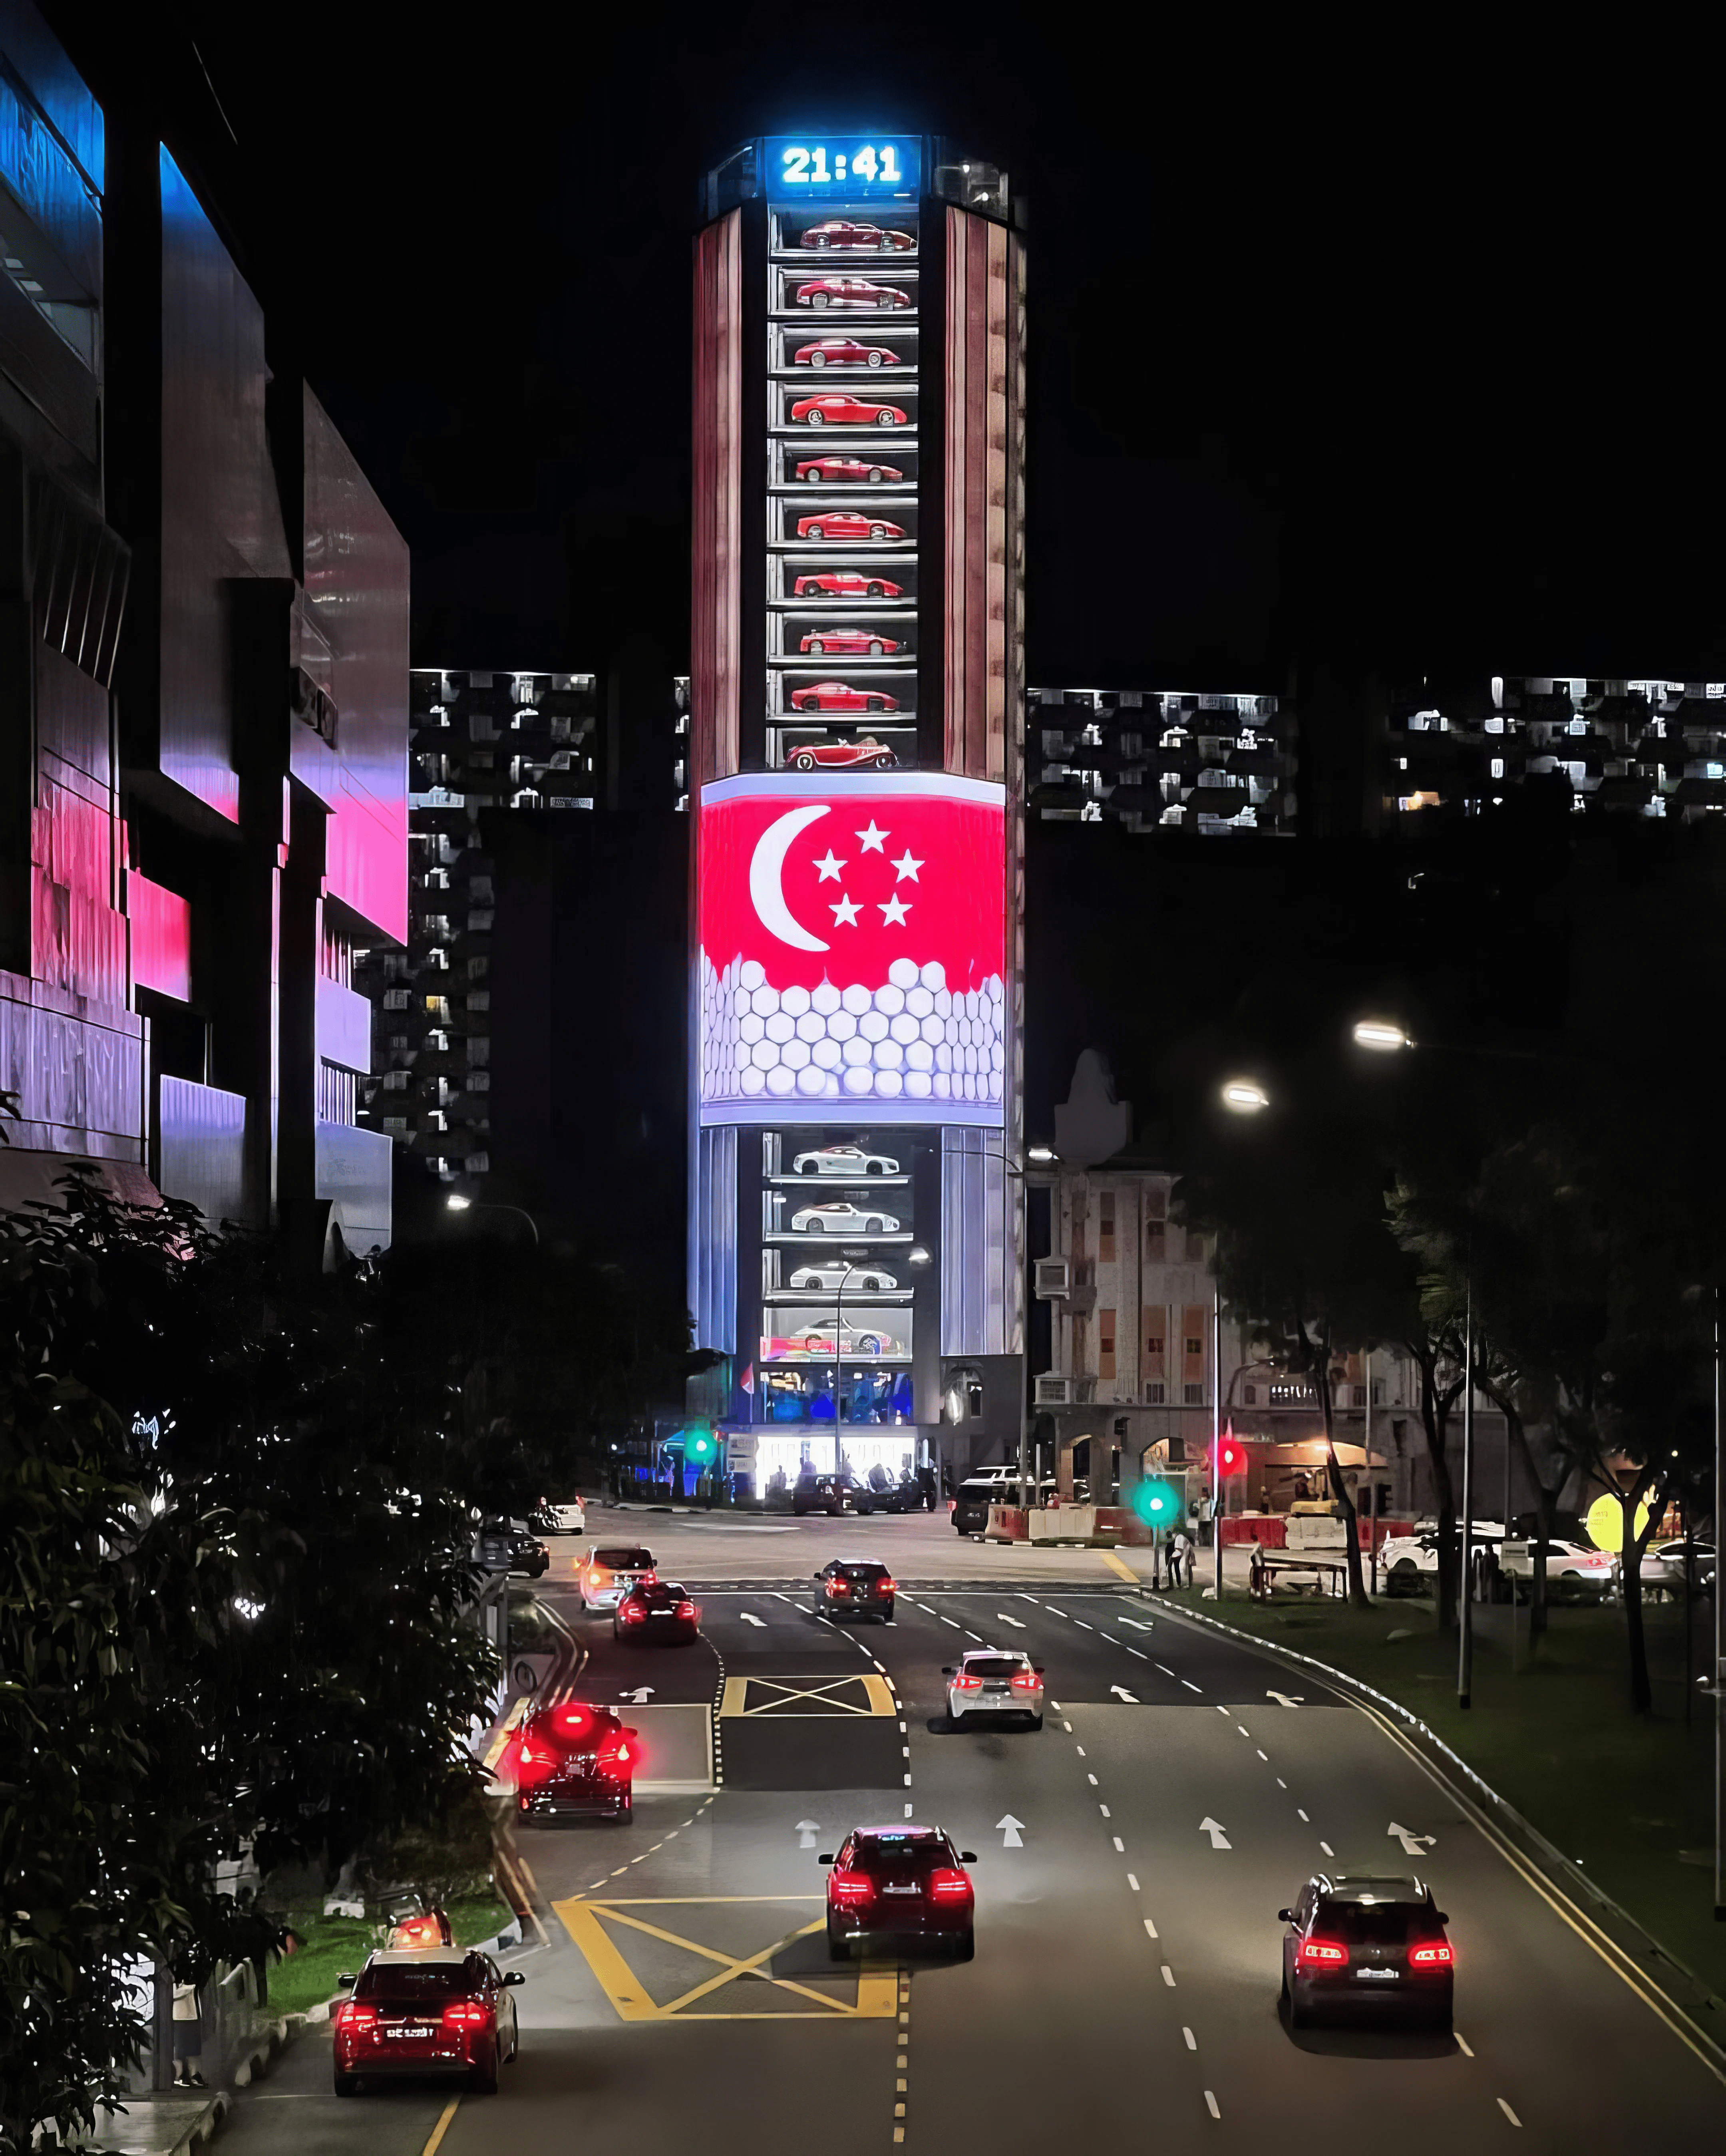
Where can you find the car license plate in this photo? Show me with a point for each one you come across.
(1376, 1975)
(407, 2032)
(901, 1890)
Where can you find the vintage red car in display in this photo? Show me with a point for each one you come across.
(839, 409)
(840, 696)
(818, 470)
(866, 754)
(845, 583)
(840, 232)
(843, 352)
(849, 292)
(860, 641)
(847, 524)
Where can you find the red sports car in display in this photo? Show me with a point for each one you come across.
(859, 641)
(841, 410)
(837, 232)
(863, 754)
(847, 524)
(843, 352)
(817, 470)
(845, 583)
(840, 696)
(849, 292)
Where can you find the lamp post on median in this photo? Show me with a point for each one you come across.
(457, 1204)
(1241, 1097)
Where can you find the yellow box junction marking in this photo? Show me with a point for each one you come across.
(793, 1698)
(587, 1924)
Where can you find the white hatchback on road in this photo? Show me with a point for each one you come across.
(994, 1681)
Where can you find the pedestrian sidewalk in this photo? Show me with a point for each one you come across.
(162, 2124)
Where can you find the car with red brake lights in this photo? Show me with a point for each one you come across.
(849, 292)
(858, 643)
(855, 1587)
(655, 1609)
(866, 753)
(847, 524)
(902, 1887)
(840, 696)
(1368, 1943)
(574, 1759)
(605, 1576)
(445, 2013)
(840, 232)
(845, 583)
(993, 1680)
(843, 352)
(836, 407)
(416, 1929)
(818, 470)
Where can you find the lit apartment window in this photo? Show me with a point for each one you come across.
(1497, 767)
(1195, 1347)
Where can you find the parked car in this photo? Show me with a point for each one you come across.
(820, 471)
(840, 1217)
(847, 524)
(888, 1496)
(844, 583)
(857, 643)
(828, 1279)
(866, 753)
(575, 1759)
(849, 292)
(851, 1340)
(840, 232)
(413, 1930)
(605, 1576)
(993, 1680)
(1575, 1571)
(840, 408)
(569, 1518)
(841, 696)
(855, 1587)
(843, 352)
(1365, 1944)
(655, 1609)
(832, 1494)
(846, 1160)
(445, 2015)
(1664, 1564)
(900, 1886)
(506, 1546)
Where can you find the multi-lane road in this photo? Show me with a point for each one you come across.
(1132, 1857)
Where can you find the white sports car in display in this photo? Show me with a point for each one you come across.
(844, 1160)
(842, 1218)
(829, 1280)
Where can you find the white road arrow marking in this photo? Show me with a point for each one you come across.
(807, 1830)
(1002, 1618)
(1284, 1699)
(641, 1695)
(1011, 1840)
(1122, 1692)
(1413, 1845)
(1219, 1840)
(749, 1617)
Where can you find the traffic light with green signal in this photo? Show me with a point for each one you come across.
(1158, 1504)
(700, 1447)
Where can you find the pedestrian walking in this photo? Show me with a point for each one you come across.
(188, 2038)
(1257, 1579)
(1177, 1556)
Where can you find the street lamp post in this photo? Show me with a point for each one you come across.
(1216, 1441)
(1718, 1687)
(457, 1204)
(1465, 1641)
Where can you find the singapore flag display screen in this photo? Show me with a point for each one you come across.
(853, 949)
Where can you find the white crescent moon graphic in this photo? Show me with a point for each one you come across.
(766, 892)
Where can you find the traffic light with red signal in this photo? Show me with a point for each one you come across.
(1231, 1456)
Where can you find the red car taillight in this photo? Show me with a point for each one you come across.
(467, 2014)
(838, 1587)
(851, 1890)
(615, 1762)
(949, 1885)
(962, 1683)
(886, 1586)
(685, 1609)
(1434, 1957)
(1320, 1953)
(358, 2020)
(1026, 1680)
(634, 1613)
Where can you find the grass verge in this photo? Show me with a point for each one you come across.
(1628, 1798)
(335, 1943)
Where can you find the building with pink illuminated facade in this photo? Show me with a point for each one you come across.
(203, 720)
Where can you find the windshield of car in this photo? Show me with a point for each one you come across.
(993, 1665)
(656, 1592)
(980, 1492)
(574, 1727)
(911, 1854)
(1374, 1924)
(422, 1985)
(863, 1571)
(625, 1560)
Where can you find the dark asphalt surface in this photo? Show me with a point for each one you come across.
(1125, 1985)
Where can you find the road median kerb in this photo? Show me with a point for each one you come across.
(1636, 1946)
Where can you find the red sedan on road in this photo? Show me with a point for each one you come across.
(437, 2011)
(843, 352)
(838, 232)
(819, 469)
(847, 524)
(903, 1885)
(849, 292)
(859, 642)
(845, 583)
(865, 754)
(840, 696)
(842, 410)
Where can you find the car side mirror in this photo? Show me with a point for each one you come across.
(632, 1733)
(947, 1669)
(1285, 1916)
(346, 1980)
(1036, 1669)
(827, 1858)
(1442, 1918)
(514, 1976)
(815, 1575)
(968, 1856)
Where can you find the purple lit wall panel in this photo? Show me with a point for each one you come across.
(203, 1146)
(356, 589)
(344, 1026)
(161, 937)
(221, 516)
(78, 940)
(78, 1077)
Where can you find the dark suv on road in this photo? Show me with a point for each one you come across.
(574, 1759)
(1360, 1944)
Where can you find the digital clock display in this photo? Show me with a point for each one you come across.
(843, 168)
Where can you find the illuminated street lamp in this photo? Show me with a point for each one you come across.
(1041, 1153)
(1241, 1097)
(457, 1204)
(1381, 1035)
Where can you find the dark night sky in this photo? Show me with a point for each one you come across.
(1402, 352)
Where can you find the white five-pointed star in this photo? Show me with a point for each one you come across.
(906, 866)
(830, 867)
(893, 913)
(844, 914)
(873, 840)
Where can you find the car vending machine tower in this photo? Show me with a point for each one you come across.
(856, 1220)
